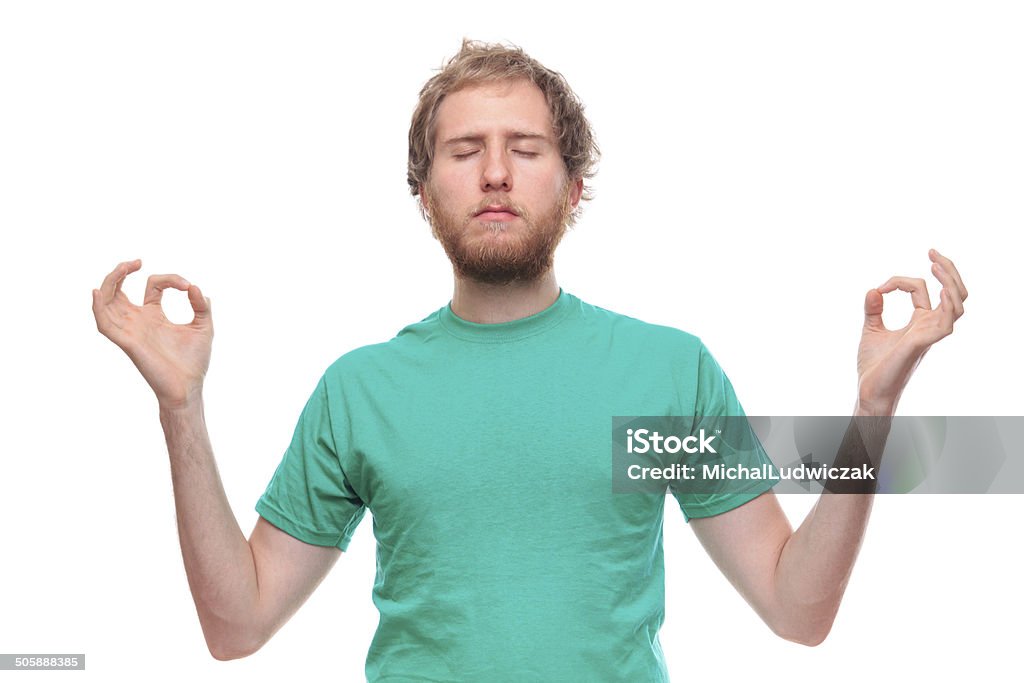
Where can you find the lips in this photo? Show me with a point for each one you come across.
(497, 213)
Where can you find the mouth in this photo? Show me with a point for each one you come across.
(497, 213)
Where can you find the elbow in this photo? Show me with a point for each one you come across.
(231, 636)
(225, 652)
(810, 632)
(234, 644)
(812, 639)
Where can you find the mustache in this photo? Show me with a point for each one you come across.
(500, 200)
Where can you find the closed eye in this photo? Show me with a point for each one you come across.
(527, 155)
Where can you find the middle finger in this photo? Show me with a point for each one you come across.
(949, 284)
(948, 266)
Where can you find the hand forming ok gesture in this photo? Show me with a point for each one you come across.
(887, 358)
(172, 358)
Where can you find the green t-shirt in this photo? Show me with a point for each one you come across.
(484, 455)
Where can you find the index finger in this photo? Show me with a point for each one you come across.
(112, 282)
(916, 287)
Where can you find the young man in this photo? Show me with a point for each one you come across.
(479, 436)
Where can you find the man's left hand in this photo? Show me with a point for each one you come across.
(887, 358)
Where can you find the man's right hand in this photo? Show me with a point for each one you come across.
(172, 358)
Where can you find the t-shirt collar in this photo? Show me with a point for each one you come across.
(507, 331)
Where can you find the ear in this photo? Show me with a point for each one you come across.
(577, 192)
(423, 199)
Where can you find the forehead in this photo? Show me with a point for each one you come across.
(486, 107)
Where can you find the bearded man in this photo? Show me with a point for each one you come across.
(478, 437)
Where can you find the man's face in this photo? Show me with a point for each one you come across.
(495, 148)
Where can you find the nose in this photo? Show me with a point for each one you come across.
(497, 173)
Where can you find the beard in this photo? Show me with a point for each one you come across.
(499, 253)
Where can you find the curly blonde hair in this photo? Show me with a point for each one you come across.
(478, 62)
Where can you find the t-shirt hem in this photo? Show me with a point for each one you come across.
(290, 527)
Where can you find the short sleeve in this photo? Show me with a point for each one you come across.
(309, 496)
(716, 399)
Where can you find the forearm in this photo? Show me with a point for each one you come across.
(218, 559)
(816, 562)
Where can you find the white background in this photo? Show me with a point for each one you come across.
(765, 164)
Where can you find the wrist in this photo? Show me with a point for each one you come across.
(874, 403)
(190, 405)
(874, 408)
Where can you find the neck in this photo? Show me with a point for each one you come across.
(486, 303)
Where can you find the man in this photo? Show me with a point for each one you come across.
(478, 437)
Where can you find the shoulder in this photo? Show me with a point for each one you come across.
(407, 343)
(628, 329)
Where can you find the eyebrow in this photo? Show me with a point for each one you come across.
(478, 137)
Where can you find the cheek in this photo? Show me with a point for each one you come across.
(552, 190)
(435, 187)
(449, 184)
(443, 202)
(549, 181)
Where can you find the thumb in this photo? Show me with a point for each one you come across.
(873, 310)
(200, 304)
